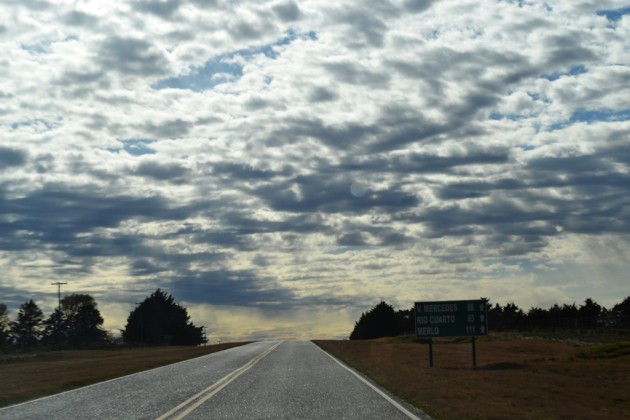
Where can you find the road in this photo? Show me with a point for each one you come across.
(263, 380)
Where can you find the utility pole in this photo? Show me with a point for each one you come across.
(58, 284)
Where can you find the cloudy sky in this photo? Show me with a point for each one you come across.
(281, 166)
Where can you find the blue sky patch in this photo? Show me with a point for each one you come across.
(216, 71)
(573, 71)
(225, 68)
(614, 15)
(498, 116)
(526, 147)
(590, 116)
(138, 147)
(600, 115)
(39, 48)
(41, 125)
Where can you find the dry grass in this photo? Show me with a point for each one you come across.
(514, 378)
(32, 375)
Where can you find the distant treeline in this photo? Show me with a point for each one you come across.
(384, 321)
(77, 323)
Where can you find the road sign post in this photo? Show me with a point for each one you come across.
(455, 318)
(474, 352)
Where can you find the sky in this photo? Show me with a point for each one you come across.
(282, 166)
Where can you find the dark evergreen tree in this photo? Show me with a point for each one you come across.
(621, 313)
(26, 330)
(513, 316)
(537, 318)
(4, 325)
(158, 320)
(556, 320)
(380, 321)
(495, 317)
(77, 323)
(496, 321)
(406, 321)
(85, 323)
(56, 329)
(506, 317)
(569, 316)
(589, 314)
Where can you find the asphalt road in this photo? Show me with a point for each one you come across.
(264, 380)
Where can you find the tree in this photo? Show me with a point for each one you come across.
(380, 321)
(513, 316)
(495, 317)
(406, 321)
(158, 320)
(621, 313)
(26, 330)
(4, 325)
(55, 329)
(84, 320)
(589, 313)
(77, 322)
(537, 318)
(569, 314)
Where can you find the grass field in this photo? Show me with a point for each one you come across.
(516, 377)
(36, 374)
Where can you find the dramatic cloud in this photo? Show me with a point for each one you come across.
(295, 161)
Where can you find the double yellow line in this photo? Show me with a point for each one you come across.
(196, 400)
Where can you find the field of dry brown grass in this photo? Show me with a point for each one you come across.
(35, 374)
(516, 377)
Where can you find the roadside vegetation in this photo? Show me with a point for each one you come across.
(68, 349)
(517, 376)
(77, 324)
(589, 318)
(567, 361)
(29, 375)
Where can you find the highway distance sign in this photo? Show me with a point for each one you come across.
(454, 318)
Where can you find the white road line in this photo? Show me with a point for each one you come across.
(378, 391)
(142, 372)
(196, 400)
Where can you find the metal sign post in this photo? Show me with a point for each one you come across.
(455, 318)
(474, 352)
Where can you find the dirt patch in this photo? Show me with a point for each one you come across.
(33, 375)
(514, 378)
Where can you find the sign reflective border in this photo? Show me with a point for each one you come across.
(454, 318)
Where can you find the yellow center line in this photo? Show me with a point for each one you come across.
(196, 400)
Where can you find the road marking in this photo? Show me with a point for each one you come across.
(377, 390)
(120, 378)
(196, 400)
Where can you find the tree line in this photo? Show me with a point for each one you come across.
(588, 316)
(77, 323)
(384, 321)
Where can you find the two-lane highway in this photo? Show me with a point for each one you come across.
(265, 380)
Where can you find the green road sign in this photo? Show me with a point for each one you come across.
(454, 318)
